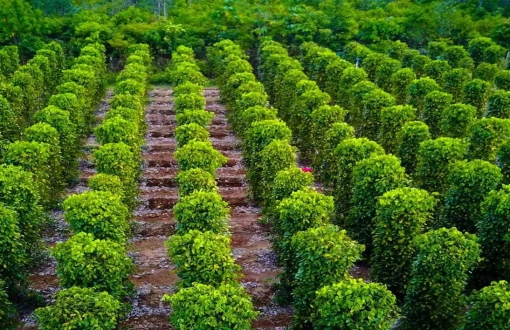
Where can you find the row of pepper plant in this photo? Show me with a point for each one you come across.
(209, 295)
(39, 160)
(362, 177)
(92, 265)
(315, 254)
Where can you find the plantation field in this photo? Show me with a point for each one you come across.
(254, 165)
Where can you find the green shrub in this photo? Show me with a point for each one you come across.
(80, 308)
(284, 184)
(99, 213)
(203, 257)
(189, 102)
(185, 133)
(127, 101)
(502, 80)
(8, 121)
(434, 161)
(437, 70)
(334, 71)
(454, 54)
(418, 90)
(187, 88)
(486, 71)
(401, 215)
(132, 115)
(197, 308)
(400, 82)
(499, 104)
(456, 120)
(384, 71)
(324, 256)
(477, 46)
(503, 160)
(202, 210)
(13, 253)
(486, 136)
(321, 120)
(346, 155)
(118, 159)
(67, 136)
(36, 158)
(354, 304)
(252, 115)
(489, 308)
(434, 299)
(93, 263)
(493, 233)
(19, 192)
(371, 178)
(392, 120)
(195, 179)
(476, 93)
(198, 154)
(350, 77)
(118, 130)
(200, 117)
(276, 156)
(409, 138)
(107, 183)
(435, 104)
(323, 162)
(372, 105)
(80, 117)
(455, 81)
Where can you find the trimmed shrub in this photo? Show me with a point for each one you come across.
(486, 71)
(486, 137)
(324, 256)
(19, 192)
(322, 119)
(502, 80)
(400, 82)
(185, 133)
(350, 77)
(201, 210)
(503, 160)
(476, 93)
(69, 101)
(67, 137)
(323, 162)
(8, 121)
(392, 120)
(434, 299)
(99, 213)
(13, 253)
(492, 230)
(499, 104)
(401, 215)
(198, 154)
(454, 54)
(371, 178)
(469, 183)
(119, 130)
(454, 82)
(347, 154)
(203, 257)
(435, 159)
(189, 102)
(437, 70)
(456, 120)
(36, 158)
(187, 88)
(80, 308)
(252, 115)
(384, 71)
(418, 90)
(372, 105)
(93, 263)
(107, 183)
(195, 179)
(353, 304)
(489, 308)
(276, 156)
(199, 117)
(435, 104)
(197, 308)
(409, 138)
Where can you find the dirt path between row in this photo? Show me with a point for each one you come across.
(154, 222)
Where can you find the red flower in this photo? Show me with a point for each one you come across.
(306, 169)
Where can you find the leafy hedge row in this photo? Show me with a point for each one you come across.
(314, 253)
(36, 169)
(209, 294)
(92, 265)
(370, 188)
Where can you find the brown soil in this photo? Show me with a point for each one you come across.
(155, 275)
